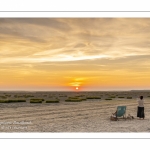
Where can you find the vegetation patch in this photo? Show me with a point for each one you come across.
(16, 100)
(120, 97)
(90, 97)
(73, 99)
(97, 97)
(36, 100)
(12, 101)
(3, 101)
(129, 97)
(83, 99)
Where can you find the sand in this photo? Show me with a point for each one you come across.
(85, 116)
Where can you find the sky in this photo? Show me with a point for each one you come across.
(60, 54)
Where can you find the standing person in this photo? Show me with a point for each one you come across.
(140, 111)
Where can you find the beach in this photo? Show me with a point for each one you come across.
(87, 116)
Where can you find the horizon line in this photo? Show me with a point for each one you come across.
(69, 91)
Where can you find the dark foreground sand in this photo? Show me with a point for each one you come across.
(86, 116)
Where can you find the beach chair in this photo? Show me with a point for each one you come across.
(121, 112)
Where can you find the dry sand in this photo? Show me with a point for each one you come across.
(86, 116)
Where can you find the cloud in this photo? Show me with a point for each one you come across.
(46, 40)
(59, 52)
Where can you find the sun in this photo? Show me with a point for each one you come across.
(77, 88)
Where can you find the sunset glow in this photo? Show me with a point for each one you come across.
(65, 54)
